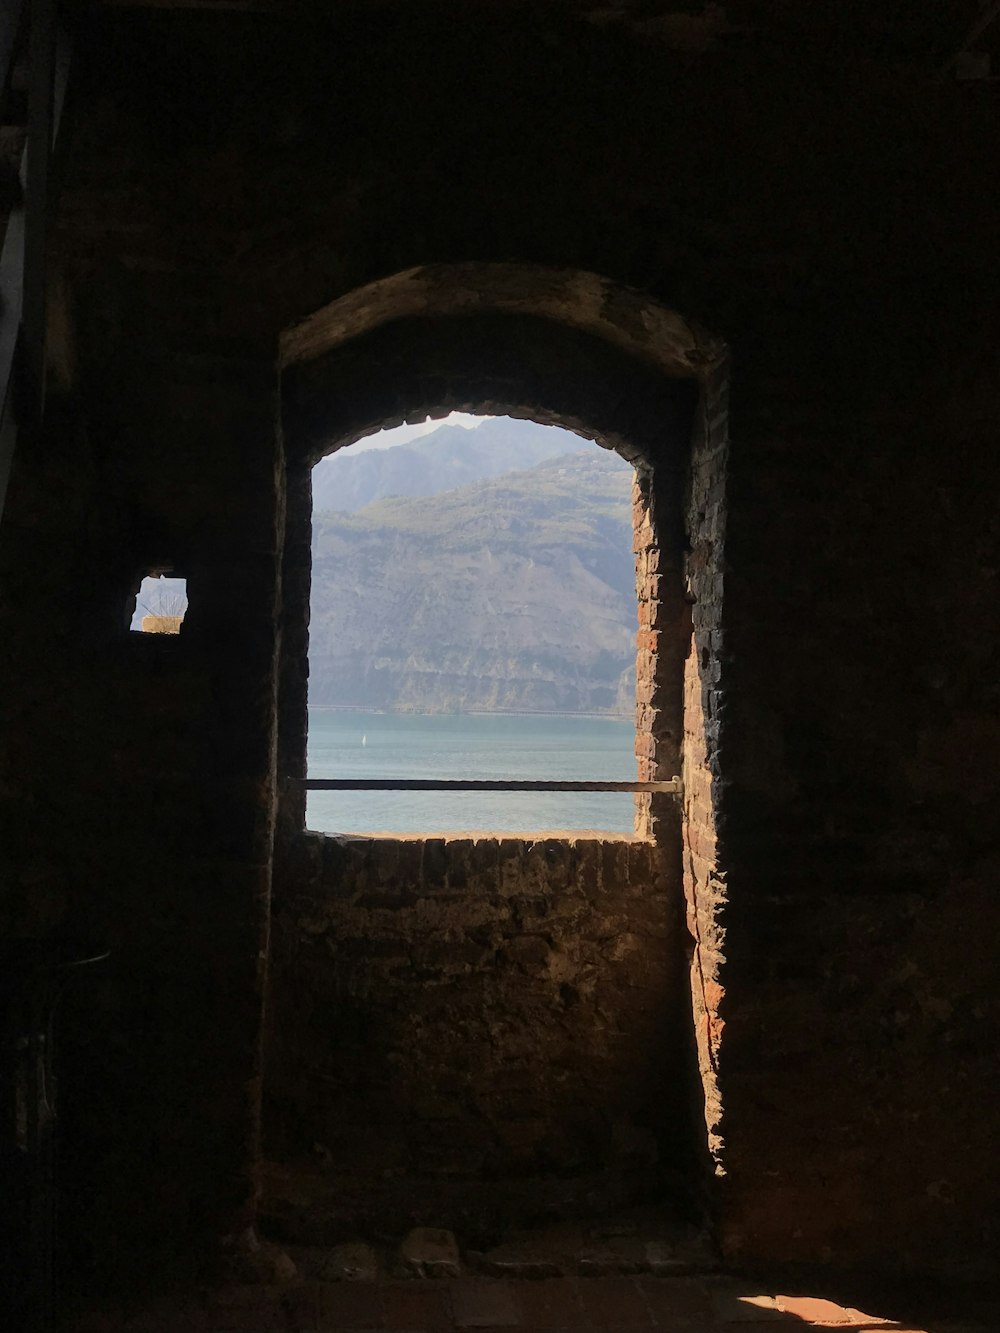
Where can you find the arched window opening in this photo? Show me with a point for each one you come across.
(417, 978)
(472, 617)
(600, 362)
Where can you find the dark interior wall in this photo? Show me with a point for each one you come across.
(138, 815)
(861, 915)
(828, 215)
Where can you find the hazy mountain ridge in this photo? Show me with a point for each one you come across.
(513, 594)
(443, 460)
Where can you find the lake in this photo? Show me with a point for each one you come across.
(347, 744)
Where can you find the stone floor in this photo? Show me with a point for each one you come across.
(634, 1272)
(616, 1304)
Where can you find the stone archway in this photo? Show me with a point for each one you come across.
(576, 350)
(631, 321)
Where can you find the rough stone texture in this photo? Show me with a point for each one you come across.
(430, 1252)
(353, 1262)
(805, 188)
(583, 301)
(454, 1019)
(702, 710)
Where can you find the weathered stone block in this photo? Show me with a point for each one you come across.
(430, 1252)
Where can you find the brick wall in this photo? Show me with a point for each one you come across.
(704, 867)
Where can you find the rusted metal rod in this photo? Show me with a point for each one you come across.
(464, 784)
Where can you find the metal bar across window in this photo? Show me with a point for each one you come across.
(474, 784)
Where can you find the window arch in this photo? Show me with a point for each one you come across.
(431, 366)
(578, 351)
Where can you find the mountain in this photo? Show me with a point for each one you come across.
(443, 460)
(512, 594)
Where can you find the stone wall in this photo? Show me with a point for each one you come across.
(137, 814)
(704, 870)
(860, 857)
(475, 1032)
(810, 194)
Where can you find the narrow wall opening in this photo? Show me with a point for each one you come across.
(160, 603)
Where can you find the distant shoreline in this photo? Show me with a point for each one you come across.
(464, 712)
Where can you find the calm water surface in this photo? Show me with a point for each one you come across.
(344, 744)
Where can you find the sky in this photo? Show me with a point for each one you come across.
(385, 439)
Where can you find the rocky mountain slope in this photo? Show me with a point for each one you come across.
(442, 460)
(512, 594)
